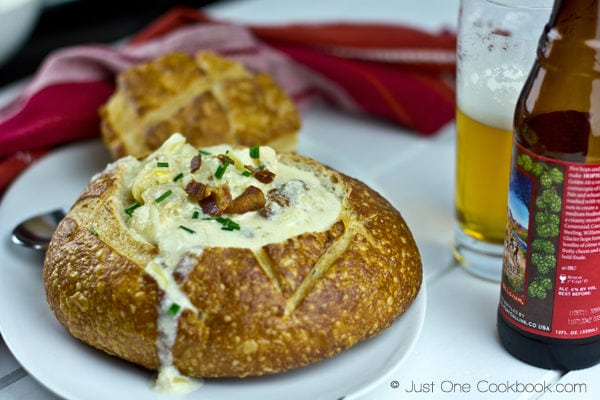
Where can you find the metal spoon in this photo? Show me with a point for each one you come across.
(35, 232)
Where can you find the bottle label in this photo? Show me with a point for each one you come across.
(551, 264)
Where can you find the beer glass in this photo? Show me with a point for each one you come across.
(497, 41)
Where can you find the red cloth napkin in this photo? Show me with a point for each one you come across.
(394, 72)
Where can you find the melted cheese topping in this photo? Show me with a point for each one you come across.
(167, 217)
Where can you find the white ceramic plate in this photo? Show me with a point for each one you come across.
(73, 370)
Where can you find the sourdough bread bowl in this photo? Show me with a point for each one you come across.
(211, 99)
(228, 262)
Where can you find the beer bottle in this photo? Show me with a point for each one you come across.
(549, 311)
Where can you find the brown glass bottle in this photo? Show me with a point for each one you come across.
(549, 308)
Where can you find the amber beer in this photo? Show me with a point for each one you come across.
(482, 177)
(496, 48)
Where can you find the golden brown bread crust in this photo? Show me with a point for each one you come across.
(266, 311)
(209, 99)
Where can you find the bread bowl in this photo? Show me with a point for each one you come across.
(210, 99)
(152, 268)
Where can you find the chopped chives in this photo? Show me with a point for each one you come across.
(254, 152)
(230, 227)
(162, 164)
(178, 177)
(185, 228)
(247, 173)
(196, 214)
(129, 210)
(221, 170)
(93, 230)
(226, 223)
(174, 309)
(206, 153)
(163, 196)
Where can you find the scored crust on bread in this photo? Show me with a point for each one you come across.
(150, 266)
(208, 98)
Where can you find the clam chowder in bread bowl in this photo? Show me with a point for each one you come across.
(228, 262)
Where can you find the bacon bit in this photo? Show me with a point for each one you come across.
(216, 201)
(265, 212)
(279, 197)
(196, 163)
(224, 158)
(196, 190)
(276, 196)
(252, 199)
(209, 206)
(264, 176)
(261, 175)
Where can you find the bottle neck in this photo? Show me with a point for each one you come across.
(563, 89)
(571, 38)
(574, 21)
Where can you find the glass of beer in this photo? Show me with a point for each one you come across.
(497, 41)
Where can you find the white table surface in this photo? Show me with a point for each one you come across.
(458, 355)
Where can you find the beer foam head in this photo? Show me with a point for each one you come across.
(496, 49)
(488, 93)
